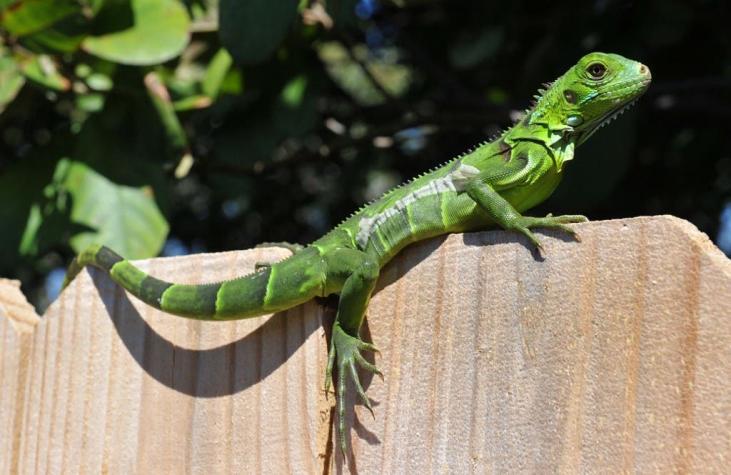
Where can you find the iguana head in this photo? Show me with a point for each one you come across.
(591, 94)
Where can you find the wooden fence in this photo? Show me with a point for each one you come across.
(610, 355)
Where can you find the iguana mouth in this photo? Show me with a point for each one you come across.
(635, 87)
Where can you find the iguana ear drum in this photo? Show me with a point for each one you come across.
(570, 96)
(574, 120)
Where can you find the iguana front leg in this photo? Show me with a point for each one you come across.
(358, 272)
(510, 219)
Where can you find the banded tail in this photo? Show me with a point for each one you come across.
(283, 285)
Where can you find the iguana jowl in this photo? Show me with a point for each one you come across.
(491, 185)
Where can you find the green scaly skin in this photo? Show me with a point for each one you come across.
(487, 187)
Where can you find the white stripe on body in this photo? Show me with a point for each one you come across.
(455, 181)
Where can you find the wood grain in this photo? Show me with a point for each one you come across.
(609, 355)
(119, 387)
(612, 355)
(17, 321)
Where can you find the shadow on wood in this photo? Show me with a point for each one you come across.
(612, 354)
(177, 367)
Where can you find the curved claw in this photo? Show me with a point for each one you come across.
(359, 388)
(550, 221)
(368, 347)
(569, 218)
(365, 364)
(525, 231)
(570, 231)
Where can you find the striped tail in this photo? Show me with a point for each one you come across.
(283, 285)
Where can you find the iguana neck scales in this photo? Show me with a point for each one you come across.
(488, 186)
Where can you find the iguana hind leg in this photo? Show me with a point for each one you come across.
(293, 247)
(359, 272)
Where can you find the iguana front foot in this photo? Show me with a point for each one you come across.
(345, 349)
(525, 223)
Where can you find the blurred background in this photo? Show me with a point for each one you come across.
(166, 127)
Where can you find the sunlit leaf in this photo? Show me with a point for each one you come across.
(192, 103)
(166, 112)
(124, 218)
(99, 82)
(216, 72)
(158, 33)
(11, 80)
(89, 103)
(43, 70)
(293, 91)
(349, 75)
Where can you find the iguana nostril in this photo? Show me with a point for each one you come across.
(644, 70)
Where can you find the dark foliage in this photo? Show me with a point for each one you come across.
(278, 121)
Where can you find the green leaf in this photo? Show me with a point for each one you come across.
(124, 218)
(11, 80)
(49, 223)
(158, 33)
(42, 70)
(22, 192)
(293, 91)
(93, 102)
(93, 6)
(160, 98)
(99, 82)
(54, 40)
(349, 75)
(64, 36)
(29, 16)
(294, 114)
(291, 117)
(216, 73)
(251, 30)
(192, 103)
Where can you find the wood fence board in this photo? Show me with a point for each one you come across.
(609, 355)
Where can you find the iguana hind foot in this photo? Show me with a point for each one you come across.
(345, 350)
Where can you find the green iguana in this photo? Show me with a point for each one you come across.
(490, 185)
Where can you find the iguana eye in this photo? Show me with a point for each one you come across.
(596, 70)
